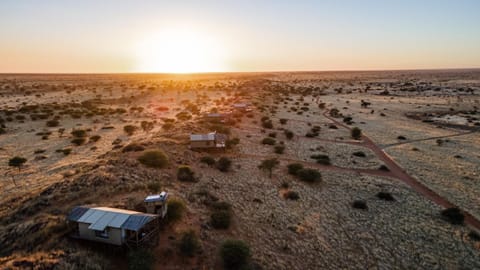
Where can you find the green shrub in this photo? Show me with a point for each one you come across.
(79, 133)
(210, 161)
(356, 133)
(235, 254)
(453, 215)
(224, 164)
(176, 209)
(232, 142)
(95, 138)
(78, 141)
(360, 204)
(129, 129)
(279, 149)
(269, 141)
(140, 259)
(293, 168)
(220, 219)
(52, 123)
(359, 154)
(288, 134)
(185, 174)
(189, 243)
(321, 159)
(283, 121)
(154, 186)
(309, 175)
(133, 147)
(17, 162)
(154, 159)
(267, 124)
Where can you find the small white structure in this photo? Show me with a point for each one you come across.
(209, 140)
(157, 203)
(242, 107)
(113, 226)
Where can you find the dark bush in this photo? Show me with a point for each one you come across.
(279, 149)
(382, 195)
(383, 168)
(224, 164)
(309, 175)
(269, 141)
(189, 243)
(283, 121)
(52, 123)
(176, 209)
(293, 168)
(185, 174)
(95, 138)
(288, 134)
(356, 133)
(129, 129)
(321, 159)
(267, 124)
(220, 219)
(401, 137)
(78, 141)
(79, 133)
(140, 259)
(133, 147)
(210, 161)
(235, 254)
(359, 154)
(453, 215)
(154, 159)
(17, 162)
(360, 204)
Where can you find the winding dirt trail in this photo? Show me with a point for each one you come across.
(399, 173)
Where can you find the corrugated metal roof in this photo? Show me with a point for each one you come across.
(101, 217)
(77, 212)
(136, 222)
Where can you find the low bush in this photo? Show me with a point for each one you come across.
(176, 209)
(220, 219)
(154, 186)
(210, 161)
(78, 141)
(133, 147)
(283, 121)
(279, 149)
(453, 215)
(360, 204)
(224, 164)
(383, 168)
(293, 168)
(321, 159)
(288, 134)
(309, 175)
(79, 133)
(140, 259)
(235, 254)
(359, 154)
(52, 123)
(130, 129)
(154, 159)
(189, 243)
(269, 141)
(185, 174)
(356, 133)
(95, 138)
(382, 195)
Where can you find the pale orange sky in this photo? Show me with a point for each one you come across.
(188, 36)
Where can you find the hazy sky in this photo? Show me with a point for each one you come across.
(106, 36)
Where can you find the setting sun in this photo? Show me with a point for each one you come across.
(180, 50)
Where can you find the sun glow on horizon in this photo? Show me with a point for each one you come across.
(180, 50)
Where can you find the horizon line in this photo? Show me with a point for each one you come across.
(238, 72)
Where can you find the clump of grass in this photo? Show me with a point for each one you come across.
(269, 141)
(309, 175)
(185, 174)
(210, 161)
(224, 164)
(154, 159)
(453, 215)
(382, 195)
(293, 168)
(176, 209)
(360, 204)
(291, 195)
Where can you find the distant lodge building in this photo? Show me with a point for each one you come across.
(114, 226)
(157, 204)
(244, 107)
(221, 117)
(209, 140)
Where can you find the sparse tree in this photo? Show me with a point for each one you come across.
(269, 165)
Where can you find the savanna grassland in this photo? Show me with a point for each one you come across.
(328, 170)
